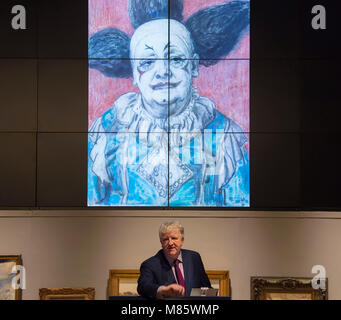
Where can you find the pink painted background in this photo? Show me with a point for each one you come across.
(226, 83)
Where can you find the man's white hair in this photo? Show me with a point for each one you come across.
(169, 226)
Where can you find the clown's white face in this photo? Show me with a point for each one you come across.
(164, 82)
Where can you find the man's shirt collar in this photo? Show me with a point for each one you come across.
(171, 260)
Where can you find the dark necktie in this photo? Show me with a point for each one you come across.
(178, 272)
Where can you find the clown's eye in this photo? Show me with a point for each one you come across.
(178, 62)
(145, 65)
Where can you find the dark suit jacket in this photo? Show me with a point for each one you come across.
(156, 271)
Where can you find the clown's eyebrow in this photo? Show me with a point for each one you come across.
(148, 47)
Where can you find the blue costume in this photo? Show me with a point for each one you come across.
(196, 158)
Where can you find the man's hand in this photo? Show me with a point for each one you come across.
(173, 290)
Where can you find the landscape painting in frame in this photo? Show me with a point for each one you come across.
(293, 288)
(168, 106)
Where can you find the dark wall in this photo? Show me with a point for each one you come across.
(295, 106)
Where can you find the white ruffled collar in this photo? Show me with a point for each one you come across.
(199, 112)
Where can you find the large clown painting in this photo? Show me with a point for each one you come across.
(168, 103)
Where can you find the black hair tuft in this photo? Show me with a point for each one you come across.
(216, 30)
(142, 11)
(109, 53)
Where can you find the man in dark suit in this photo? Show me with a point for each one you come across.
(172, 271)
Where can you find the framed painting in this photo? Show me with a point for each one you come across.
(8, 282)
(123, 282)
(67, 293)
(220, 279)
(280, 288)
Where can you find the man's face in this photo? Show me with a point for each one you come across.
(171, 243)
(163, 81)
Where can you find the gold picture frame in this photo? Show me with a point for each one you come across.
(123, 282)
(67, 293)
(284, 288)
(7, 292)
(220, 279)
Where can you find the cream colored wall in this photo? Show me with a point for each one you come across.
(77, 248)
